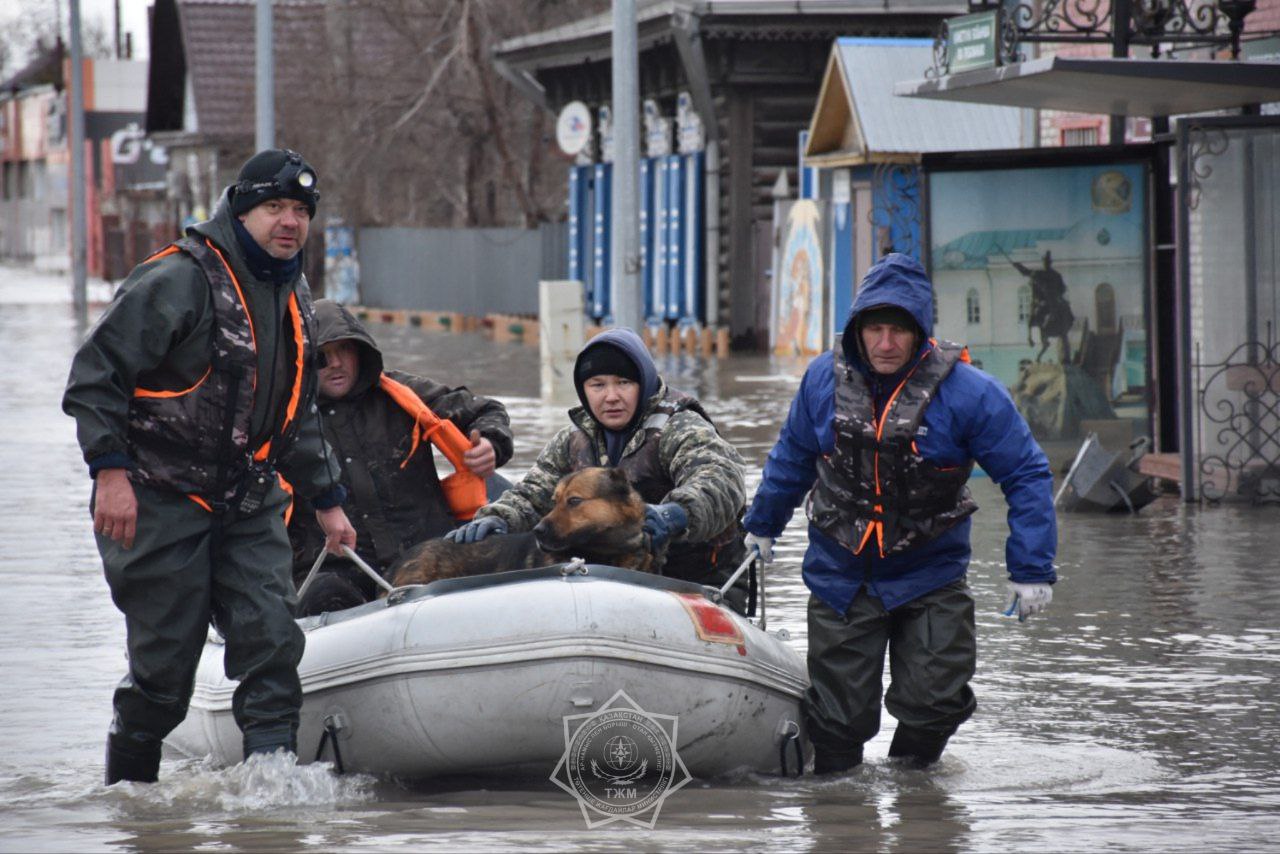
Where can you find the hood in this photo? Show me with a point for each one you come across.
(897, 280)
(335, 323)
(634, 348)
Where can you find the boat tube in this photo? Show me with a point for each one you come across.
(478, 675)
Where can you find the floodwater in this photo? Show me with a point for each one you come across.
(1139, 713)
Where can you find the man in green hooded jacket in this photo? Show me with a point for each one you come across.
(393, 489)
(193, 397)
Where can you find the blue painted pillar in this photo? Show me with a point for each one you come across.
(579, 221)
(693, 294)
(600, 263)
(675, 231)
(661, 214)
(646, 235)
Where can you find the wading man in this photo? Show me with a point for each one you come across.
(193, 395)
(376, 422)
(883, 435)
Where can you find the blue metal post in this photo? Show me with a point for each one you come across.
(661, 215)
(578, 182)
(675, 231)
(601, 280)
(646, 235)
(694, 215)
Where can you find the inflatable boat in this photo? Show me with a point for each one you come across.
(490, 675)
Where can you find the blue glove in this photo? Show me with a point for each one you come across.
(477, 529)
(662, 522)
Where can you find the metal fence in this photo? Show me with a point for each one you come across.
(473, 271)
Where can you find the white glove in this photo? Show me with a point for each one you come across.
(763, 545)
(1027, 599)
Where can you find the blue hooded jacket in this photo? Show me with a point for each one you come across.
(972, 417)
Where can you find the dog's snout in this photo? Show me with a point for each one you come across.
(541, 529)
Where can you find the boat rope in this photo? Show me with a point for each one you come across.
(791, 737)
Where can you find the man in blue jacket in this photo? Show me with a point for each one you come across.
(883, 435)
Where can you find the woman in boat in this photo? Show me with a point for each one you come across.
(669, 449)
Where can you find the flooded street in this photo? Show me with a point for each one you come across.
(1139, 713)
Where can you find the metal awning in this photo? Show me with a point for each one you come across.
(1130, 87)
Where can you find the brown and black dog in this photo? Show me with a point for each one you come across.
(598, 517)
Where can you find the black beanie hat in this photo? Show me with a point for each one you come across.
(276, 173)
(895, 314)
(601, 359)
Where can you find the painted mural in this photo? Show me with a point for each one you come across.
(798, 319)
(1042, 273)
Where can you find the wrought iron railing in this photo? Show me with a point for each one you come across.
(1239, 419)
(1160, 24)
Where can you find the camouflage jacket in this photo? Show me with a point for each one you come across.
(156, 334)
(706, 471)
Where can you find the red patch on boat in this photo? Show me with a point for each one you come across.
(712, 623)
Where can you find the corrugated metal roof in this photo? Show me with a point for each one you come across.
(909, 125)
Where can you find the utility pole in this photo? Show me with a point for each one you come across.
(265, 88)
(79, 292)
(624, 266)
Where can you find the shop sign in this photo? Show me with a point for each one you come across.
(971, 42)
(573, 128)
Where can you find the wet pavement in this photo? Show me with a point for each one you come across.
(1139, 713)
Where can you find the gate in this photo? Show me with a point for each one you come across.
(1228, 223)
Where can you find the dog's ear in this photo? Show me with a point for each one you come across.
(619, 485)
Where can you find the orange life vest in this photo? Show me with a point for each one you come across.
(464, 491)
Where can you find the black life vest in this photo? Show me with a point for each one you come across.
(196, 440)
(875, 483)
(701, 562)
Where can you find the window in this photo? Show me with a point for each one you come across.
(973, 312)
(1024, 303)
(1104, 304)
(1087, 135)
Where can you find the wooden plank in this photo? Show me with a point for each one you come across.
(1164, 466)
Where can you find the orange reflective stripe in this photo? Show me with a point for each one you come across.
(198, 500)
(884, 416)
(299, 344)
(163, 253)
(146, 392)
(871, 526)
(288, 488)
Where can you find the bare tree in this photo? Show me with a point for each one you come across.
(411, 124)
(32, 35)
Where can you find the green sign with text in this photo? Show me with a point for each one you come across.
(971, 41)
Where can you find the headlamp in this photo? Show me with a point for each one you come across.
(292, 177)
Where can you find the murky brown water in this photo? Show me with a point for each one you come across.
(1140, 714)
